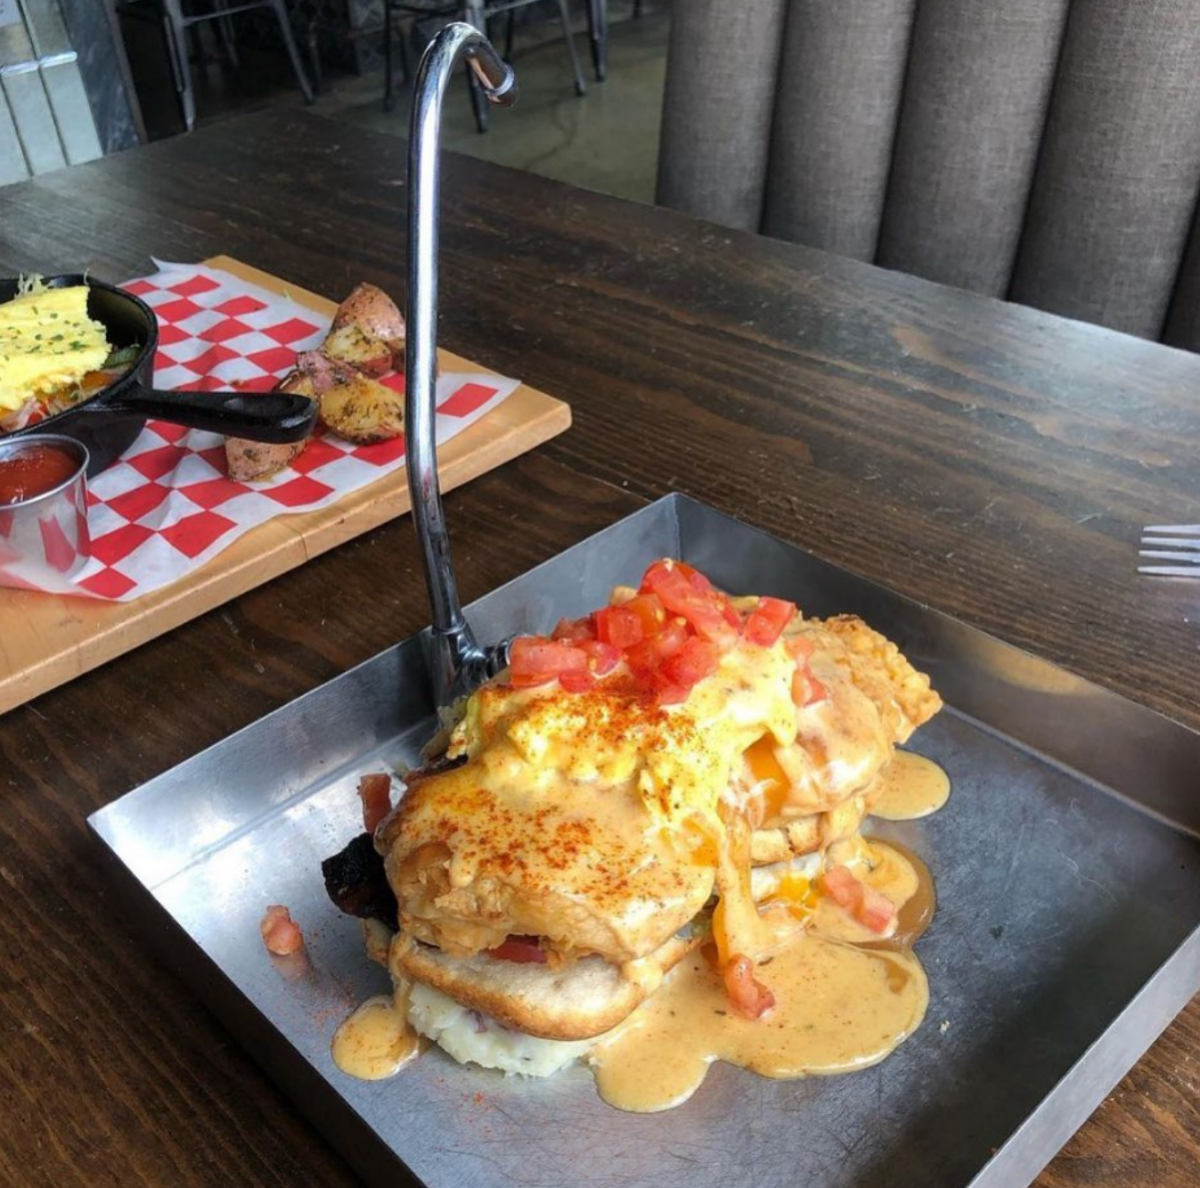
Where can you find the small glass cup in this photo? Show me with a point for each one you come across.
(44, 539)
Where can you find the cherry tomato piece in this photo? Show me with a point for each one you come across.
(697, 659)
(573, 630)
(767, 621)
(650, 610)
(522, 950)
(535, 660)
(618, 626)
(748, 996)
(602, 657)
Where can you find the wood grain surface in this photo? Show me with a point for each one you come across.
(989, 460)
(63, 637)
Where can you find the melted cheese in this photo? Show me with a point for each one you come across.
(47, 342)
(592, 819)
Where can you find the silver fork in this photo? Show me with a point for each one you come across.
(1184, 548)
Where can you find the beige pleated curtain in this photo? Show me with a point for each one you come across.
(1045, 151)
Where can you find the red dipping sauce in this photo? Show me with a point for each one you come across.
(34, 471)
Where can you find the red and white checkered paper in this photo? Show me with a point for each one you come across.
(167, 506)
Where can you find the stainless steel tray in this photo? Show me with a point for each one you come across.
(1067, 934)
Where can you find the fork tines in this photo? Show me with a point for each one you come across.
(1183, 545)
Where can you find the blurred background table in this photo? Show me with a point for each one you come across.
(991, 461)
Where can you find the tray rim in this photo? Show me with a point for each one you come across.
(1026, 1151)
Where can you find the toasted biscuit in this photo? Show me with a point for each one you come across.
(805, 835)
(876, 665)
(584, 999)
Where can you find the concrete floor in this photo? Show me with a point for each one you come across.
(606, 140)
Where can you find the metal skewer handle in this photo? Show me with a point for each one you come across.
(457, 662)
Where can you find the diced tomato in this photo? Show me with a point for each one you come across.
(535, 660)
(646, 658)
(602, 657)
(650, 610)
(523, 950)
(841, 886)
(653, 575)
(767, 621)
(573, 630)
(800, 646)
(869, 907)
(667, 692)
(806, 689)
(671, 638)
(697, 659)
(749, 997)
(577, 682)
(685, 592)
(530, 680)
(618, 626)
(375, 792)
(280, 933)
(707, 618)
(643, 660)
(875, 910)
(694, 576)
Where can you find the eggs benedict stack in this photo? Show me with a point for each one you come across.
(677, 770)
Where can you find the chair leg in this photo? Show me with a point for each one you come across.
(227, 33)
(564, 15)
(408, 54)
(597, 14)
(389, 96)
(176, 34)
(473, 14)
(289, 41)
(478, 100)
(508, 34)
(313, 43)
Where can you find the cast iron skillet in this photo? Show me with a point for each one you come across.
(108, 421)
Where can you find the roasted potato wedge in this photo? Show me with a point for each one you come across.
(320, 373)
(363, 410)
(352, 345)
(374, 313)
(251, 461)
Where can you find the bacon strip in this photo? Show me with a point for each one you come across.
(375, 792)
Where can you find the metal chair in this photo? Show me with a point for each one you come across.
(476, 13)
(177, 22)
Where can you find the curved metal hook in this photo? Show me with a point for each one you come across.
(457, 661)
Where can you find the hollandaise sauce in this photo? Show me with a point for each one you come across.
(913, 787)
(841, 1004)
(376, 1041)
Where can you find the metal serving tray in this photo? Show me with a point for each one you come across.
(1067, 934)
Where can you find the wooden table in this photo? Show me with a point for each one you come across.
(993, 461)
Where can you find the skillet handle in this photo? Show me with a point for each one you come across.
(273, 417)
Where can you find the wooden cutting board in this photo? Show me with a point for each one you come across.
(61, 637)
